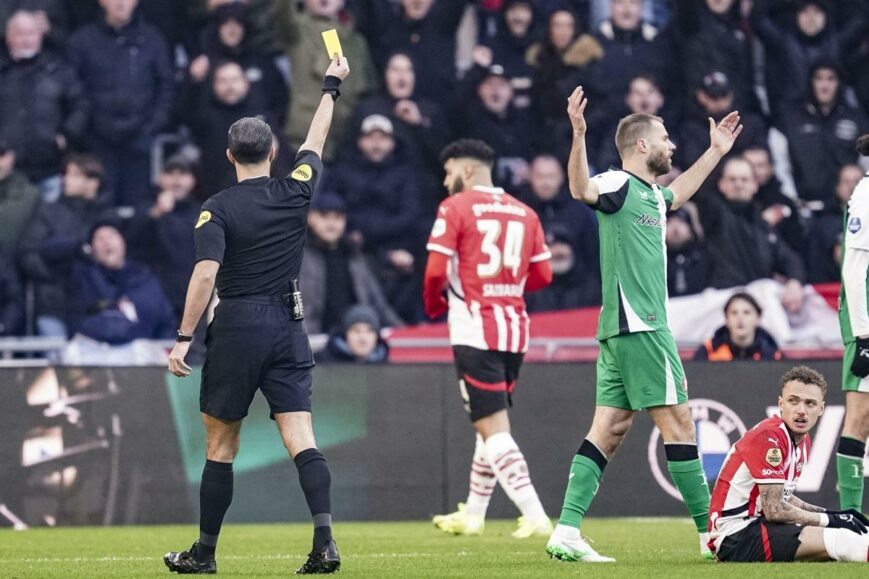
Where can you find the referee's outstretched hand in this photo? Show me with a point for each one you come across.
(177, 365)
(339, 67)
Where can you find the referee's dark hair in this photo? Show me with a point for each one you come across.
(469, 149)
(250, 140)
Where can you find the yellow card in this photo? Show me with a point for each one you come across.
(333, 45)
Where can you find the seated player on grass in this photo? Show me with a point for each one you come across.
(754, 515)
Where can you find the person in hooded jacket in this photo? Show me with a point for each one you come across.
(820, 131)
(358, 341)
(116, 300)
(792, 51)
(226, 38)
(211, 113)
(741, 337)
(508, 45)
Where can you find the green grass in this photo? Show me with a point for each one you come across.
(663, 548)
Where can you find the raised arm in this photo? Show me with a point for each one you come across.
(581, 187)
(319, 129)
(721, 139)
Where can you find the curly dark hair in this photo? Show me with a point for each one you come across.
(469, 149)
(805, 375)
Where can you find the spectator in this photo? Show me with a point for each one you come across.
(57, 237)
(643, 96)
(793, 50)
(631, 47)
(741, 337)
(821, 131)
(11, 299)
(41, 103)
(52, 16)
(779, 210)
(419, 123)
(226, 38)
(687, 258)
(126, 69)
(161, 235)
(18, 200)
(742, 246)
(490, 115)
(708, 35)
(563, 60)
(260, 29)
(335, 275)
(715, 98)
(304, 47)
(572, 286)
(546, 193)
(508, 46)
(424, 29)
(210, 117)
(116, 300)
(382, 195)
(823, 254)
(359, 340)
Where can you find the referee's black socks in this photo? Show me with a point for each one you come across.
(215, 495)
(316, 481)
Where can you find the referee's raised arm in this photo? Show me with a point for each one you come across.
(338, 70)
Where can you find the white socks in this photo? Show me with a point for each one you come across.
(845, 545)
(483, 481)
(510, 467)
(566, 532)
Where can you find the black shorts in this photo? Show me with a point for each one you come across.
(253, 342)
(486, 379)
(761, 541)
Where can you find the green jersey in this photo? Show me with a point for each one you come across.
(632, 218)
(854, 320)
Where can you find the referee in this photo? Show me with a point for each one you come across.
(249, 241)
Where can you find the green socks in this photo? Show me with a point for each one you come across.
(849, 466)
(687, 473)
(586, 471)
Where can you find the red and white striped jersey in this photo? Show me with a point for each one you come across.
(766, 454)
(492, 238)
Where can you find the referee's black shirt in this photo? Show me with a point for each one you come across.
(256, 230)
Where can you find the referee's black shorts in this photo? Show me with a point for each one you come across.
(253, 342)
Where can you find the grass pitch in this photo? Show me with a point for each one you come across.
(643, 547)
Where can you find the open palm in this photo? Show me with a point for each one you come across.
(723, 135)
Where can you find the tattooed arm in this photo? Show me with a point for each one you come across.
(801, 504)
(777, 510)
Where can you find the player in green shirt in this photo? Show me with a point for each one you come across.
(638, 366)
(854, 322)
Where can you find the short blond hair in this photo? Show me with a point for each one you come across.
(633, 127)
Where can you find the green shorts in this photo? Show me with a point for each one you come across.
(640, 370)
(850, 382)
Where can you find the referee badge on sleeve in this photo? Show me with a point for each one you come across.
(204, 218)
(303, 173)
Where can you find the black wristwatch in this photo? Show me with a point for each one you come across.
(182, 338)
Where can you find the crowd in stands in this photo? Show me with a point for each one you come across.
(114, 115)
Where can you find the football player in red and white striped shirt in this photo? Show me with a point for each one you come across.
(754, 515)
(486, 250)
